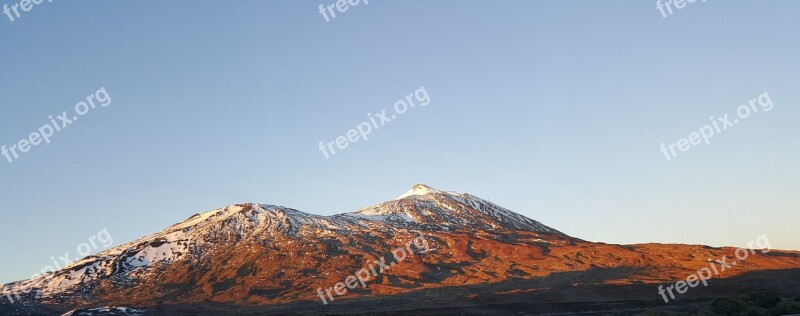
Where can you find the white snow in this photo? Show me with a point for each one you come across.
(166, 252)
(419, 189)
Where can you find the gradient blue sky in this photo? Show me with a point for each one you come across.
(554, 109)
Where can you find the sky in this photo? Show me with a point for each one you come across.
(554, 109)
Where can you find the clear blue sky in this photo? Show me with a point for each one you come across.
(554, 109)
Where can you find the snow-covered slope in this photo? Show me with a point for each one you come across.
(430, 208)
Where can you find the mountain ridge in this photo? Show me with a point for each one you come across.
(263, 255)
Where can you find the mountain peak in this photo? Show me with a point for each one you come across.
(419, 189)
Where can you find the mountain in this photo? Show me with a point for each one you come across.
(460, 250)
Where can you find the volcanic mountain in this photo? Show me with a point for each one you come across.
(256, 258)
